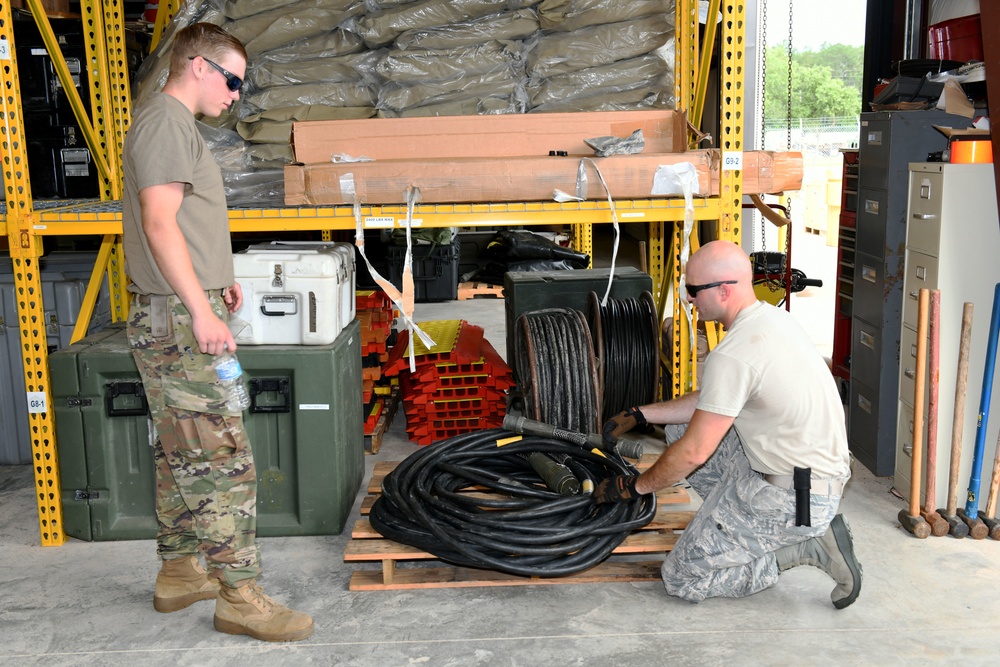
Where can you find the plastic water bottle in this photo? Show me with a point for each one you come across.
(231, 378)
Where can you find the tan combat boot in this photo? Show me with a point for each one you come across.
(247, 611)
(180, 583)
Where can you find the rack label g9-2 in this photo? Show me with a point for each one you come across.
(732, 160)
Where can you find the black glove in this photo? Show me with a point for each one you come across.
(617, 489)
(622, 423)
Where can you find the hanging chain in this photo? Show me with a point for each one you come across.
(763, 100)
(788, 200)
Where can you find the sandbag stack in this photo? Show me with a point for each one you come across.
(459, 386)
(450, 57)
(602, 55)
(349, 59)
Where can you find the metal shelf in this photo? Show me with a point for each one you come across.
(26, 223)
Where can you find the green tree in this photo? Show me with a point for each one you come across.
(825, 83)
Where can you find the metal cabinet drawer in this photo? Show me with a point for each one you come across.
(869, 287)
(908, 370)
(874, 153)
(921, 272)
(871, 222)
(866, 352)
(904, 451)
(863, 428)
(923, 223)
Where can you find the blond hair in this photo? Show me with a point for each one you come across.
(202, 39)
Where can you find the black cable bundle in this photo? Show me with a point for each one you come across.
(521, 527)
(626, 339)
(557, 370)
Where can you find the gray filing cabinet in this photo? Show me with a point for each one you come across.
(952, 244)
(890, 140)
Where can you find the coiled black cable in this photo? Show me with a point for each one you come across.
(626, 340)
(519, 526)
(557, 369)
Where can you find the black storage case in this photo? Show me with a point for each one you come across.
(435, 270)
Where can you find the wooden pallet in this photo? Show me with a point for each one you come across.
(373, 441)
(367, 545)
(479, 291)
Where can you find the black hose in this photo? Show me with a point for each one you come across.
(557, 369)
(519, 526)
(627, 335)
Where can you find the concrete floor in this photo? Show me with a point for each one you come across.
(934, 601)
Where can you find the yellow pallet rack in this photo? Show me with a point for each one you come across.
(26, 222)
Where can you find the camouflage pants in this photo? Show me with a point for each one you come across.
(728, 548)
(206, 484)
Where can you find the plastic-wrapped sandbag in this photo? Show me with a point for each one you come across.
(478, 106)
(350, 67)
(416, 66)
(269, 156)
(383, 27)
(622, 75)
(611, 100)
(332, 94)
(252, 26)
(504, 26)
(560, 53)
(337, 42)
(238, 9)
(228, 148)
(397, 96)
(372, 6)
(274, 126)
(254, 188)
(294, 26)
(567, 15)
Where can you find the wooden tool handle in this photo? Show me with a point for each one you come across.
(991, 503)
(958, 424)
(933, 380)
(918, 402)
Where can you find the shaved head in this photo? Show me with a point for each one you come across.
(723, 266)
(719, 260)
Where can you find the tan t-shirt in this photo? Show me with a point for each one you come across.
(768, 375)
(163, 145)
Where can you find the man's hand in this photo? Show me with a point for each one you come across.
(622, 423)
(617, 489)
(212, 334)
(233, 297)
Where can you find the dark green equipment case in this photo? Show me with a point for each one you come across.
(305, 427)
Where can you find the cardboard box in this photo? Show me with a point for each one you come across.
(505, 135)
(962, 132)
(518, 179)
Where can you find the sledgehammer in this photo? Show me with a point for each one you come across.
(978, 529)
(911, 520)
(989, 517)
(958, 528)
(939, 526)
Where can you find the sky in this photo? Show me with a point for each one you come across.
(816, 21)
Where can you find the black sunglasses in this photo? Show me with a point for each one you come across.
(233, 82)
(694, 289)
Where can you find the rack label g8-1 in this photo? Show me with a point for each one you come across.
(37, 402)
